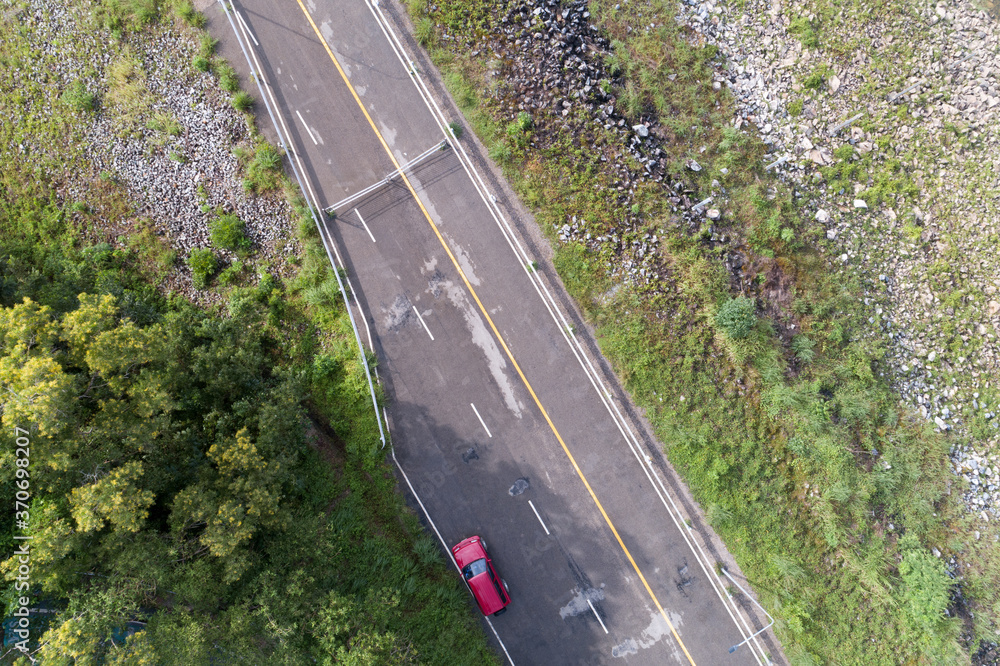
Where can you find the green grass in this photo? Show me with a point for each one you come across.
(228, 78)
(242, 101)
(153, 251)
(186, 12)
(78, 98)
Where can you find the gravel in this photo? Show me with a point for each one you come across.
(175, 183)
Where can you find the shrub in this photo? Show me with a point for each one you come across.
(524, 121)
(802, 346)
(228, 78)
(926, 587)
(456, 129)
(231, 274)
(206, 47)
(203, 264)
(229, 232)
(201, 63)
(76, 97)
(736, 317)
(815, 80)
(242, 101)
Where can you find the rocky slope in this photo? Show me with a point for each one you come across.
(158, 150)
(916, 89)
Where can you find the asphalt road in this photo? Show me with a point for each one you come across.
(494, 420)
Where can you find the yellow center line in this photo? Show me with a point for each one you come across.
(496, 332)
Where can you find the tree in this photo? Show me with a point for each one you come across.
(117, 498)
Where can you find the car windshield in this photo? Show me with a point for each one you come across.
(474, 568)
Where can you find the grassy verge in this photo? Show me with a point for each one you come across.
(838, 503)
(345, 574)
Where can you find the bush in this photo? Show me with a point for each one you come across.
(736, 317)
(228, 78)
(263, 172)
(206, 47)
(242, 101)
(229, 232)
(524, 121)
(201, 63)
(926, 588)
(203, 264)
(76, 97)
(231, 274)
(815, 80)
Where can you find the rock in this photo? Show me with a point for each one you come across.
(992, 308)
(860, 203)
(641, 130)
(834, 84)
(713, 214)
(822, 216)
(821, 156)
(694, 166)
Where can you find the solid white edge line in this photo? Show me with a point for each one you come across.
(451, 557)
(423, 322)
(246, 27)
(597, 616)
(473, 405)
(539, 517)
(309, 131)
(365, 225)
(738, 618)
(308, 192)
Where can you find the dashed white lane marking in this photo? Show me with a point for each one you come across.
(421, 320)
(597, 616)
(247, 28)
(373, 240)
(304, 124)
(481, 420)
(539, 517)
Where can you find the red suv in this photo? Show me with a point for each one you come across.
(477, 569)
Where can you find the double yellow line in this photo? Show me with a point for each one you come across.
(496, 332)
